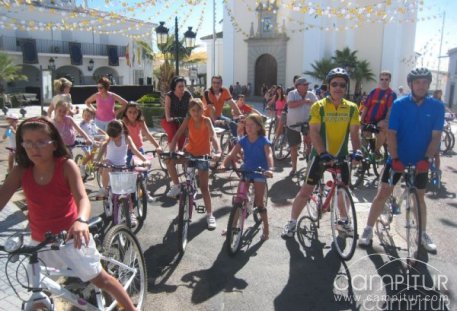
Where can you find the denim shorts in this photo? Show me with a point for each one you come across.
(200, 165)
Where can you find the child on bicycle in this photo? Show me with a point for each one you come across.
(67, 126)
(94, 132)
(132, 116)
(201, 133)
(257, 153)
(10, 134)
(57, 201)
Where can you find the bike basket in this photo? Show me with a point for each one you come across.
(123, 182)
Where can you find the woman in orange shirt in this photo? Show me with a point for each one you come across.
(200, 134)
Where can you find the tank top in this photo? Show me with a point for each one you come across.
(199, 140)
(66, 131)
(51, 207)
(135, 134)
(179, 108)
(117, 155)
(105, 107)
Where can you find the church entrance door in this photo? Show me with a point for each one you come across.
(266, 71)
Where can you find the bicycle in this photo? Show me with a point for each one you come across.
(121, 256)
(328, 197)
(435, 177)
(86, 160)
(447, 136)
(370, 158)
(281, 148)
(126, 192)
(242, 207)
(410, 229)
(188, 194)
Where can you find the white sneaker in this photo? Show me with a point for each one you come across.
(102, 192)
(211, 222)
(175, 190)
(151, 198)
(289, 230)
(133, 220)
(367, 237)
(344, 226)
(427, 243)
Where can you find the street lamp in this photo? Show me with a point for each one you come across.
(52, 64)
(90, 67)
(162, 38)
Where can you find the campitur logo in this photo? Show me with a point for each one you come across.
(392, 289)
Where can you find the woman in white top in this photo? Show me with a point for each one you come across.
(62, 87)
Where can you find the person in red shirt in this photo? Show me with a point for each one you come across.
(244, 108)
(57, 201)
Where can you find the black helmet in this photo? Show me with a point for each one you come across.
(337, 72)
(419, 73)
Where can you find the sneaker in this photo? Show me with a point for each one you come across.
(342, 225)
(133, 220)
(289, 230)
(427, 243)
(211, 222)
(367, 237)
(102, 192)
(174, 191)
(151, 198)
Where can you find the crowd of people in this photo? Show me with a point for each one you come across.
(41, 147)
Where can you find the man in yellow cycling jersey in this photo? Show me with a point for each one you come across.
(332, 120)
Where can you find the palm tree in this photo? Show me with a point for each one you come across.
(9, 71)
(346, 59)
(362, 72)
(321, 69)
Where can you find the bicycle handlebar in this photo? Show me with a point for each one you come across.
(370, 127)
(181, 155)
(55, 239)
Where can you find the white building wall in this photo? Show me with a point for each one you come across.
(451, 81)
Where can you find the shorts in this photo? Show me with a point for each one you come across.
(102, 124)
(420, 182)
(316, 170)
(254, 178)
(200, 165)
(84, 262)
(293, 137)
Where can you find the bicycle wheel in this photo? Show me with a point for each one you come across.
(315, 203)
(141, 204)
(122, 216)
(446, 141)
(235, 229)
(120, 245)
(98, 177)
(271, 129)
(256, 213)
(408, 226)
(163, 143)
(357, 174)
(183, 220)
(344, 223)
(79, 161)
(225, 143)
(452, 140)
(281, 149)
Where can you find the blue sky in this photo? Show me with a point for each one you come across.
(428, 31)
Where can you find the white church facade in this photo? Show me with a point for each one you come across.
(268, 42)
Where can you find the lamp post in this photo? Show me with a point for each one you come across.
(162, 38)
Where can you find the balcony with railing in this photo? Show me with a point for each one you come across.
(58, 47)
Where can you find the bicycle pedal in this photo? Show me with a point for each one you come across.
(200, 209)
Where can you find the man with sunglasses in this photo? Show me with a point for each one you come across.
(376, 109)
(332, 120)
(214, 99)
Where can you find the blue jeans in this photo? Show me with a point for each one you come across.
(232, 124)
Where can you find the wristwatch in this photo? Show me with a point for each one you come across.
(80, 219)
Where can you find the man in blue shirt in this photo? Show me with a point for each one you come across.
(415, 126)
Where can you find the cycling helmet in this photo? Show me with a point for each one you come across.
(337, 72)
(419, 73)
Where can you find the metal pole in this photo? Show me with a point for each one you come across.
(213, 67)
(438, 80)
(176, 46)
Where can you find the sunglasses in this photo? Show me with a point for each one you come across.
(336, 84)
(385, 79)
(39, 144)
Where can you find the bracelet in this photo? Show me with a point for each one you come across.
(80, 219)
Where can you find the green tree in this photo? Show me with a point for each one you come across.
(321, 69)
(346, 59)
(9, 71)
(362, 72)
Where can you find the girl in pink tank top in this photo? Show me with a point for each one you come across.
(57, 201)
(132, 116)
(66, 125)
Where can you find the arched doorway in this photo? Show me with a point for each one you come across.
(107, 72)
(72, 73)
(266, 71)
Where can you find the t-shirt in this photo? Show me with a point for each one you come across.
(301, 113)
(245, 109)
(377, 104)
(51, 207)
(335, 124)
(199, 139)
(254, 154)
(90, 128)
(218, 102)
(414, 125)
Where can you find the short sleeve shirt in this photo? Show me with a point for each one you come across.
(299, 114)
(218, 102)
(414, 125)
(377, 104)
(245, 109)
(335, 124)
(254, 153)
